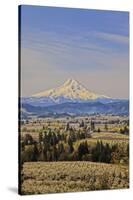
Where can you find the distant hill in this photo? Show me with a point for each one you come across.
(68, 109)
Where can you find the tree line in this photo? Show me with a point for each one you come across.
(56, 146)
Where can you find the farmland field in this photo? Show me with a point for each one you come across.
(51, 177)
(71, 155)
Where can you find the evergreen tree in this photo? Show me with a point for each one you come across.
(54, 154)
(82, 124)
(101, 153)
(92, 126)
(28, 139)
(35, 152)
(82, 150)
(40, 137)
(61, 148)
(67, 126)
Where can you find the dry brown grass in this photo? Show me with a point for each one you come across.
(52, 177)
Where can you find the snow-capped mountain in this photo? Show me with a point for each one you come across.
(71, 89)
(71, 97)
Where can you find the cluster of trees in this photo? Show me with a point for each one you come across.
(54, 146)
(124, 130)
(51, 145)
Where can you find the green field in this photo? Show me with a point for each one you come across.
(52, 177)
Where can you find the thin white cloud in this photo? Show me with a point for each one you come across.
(113, 37)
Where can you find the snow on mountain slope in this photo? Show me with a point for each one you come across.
(71, 98)
(72, 90)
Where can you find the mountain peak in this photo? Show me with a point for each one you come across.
(71, 90)
(71, 82)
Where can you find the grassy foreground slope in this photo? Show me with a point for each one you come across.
(52, 177)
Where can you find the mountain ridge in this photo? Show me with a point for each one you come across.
(72, 109)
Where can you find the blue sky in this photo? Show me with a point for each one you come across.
(91, 46)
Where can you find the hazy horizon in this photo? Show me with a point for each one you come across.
(91, 46)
